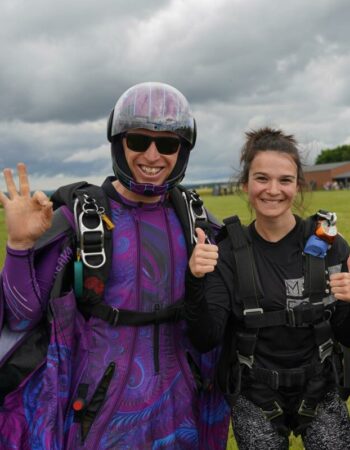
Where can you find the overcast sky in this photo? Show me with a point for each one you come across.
(241, 64)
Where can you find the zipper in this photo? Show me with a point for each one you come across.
(96, 402)
(171, 252)
(75, 437)
(156, 341)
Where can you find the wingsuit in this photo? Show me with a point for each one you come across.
(104, 385)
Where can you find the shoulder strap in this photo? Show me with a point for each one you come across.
(90, 205)
(65, 195)
(192, 213)
(60, 224)
(249, 286)
(315, 261)
(181, 208)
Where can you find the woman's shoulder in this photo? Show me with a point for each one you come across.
(231, 231)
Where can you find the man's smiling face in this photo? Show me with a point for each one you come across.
(150, 166)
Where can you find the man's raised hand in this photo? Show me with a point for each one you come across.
(26, 217)
(204, 256)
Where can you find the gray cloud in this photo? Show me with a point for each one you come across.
(241, 65)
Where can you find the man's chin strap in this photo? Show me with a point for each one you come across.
(149, 190)
(122, 172)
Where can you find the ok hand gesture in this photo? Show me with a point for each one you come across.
(204, 256)
(26, 217)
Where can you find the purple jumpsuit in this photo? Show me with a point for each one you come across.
(152, 401)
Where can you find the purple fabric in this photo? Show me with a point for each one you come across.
(32, 416)
(2, 305)
(152, 400)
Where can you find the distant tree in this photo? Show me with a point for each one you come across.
(337, 154)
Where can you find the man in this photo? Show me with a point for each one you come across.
(119, 372)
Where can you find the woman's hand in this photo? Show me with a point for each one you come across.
(26, 217)
(204, 256)
(340, 284)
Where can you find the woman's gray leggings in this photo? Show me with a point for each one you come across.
(329, 430)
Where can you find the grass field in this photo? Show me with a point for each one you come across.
(224, 206)
(337, 201)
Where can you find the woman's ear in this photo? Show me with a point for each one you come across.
(245, 187)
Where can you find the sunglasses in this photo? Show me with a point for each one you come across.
(166, 145)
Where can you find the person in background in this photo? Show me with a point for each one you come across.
(119, 373)
(279, 295)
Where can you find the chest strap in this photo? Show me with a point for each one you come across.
(302, 315)
(116, 316)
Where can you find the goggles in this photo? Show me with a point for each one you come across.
(166, 145)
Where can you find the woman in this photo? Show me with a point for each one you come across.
(281, 310)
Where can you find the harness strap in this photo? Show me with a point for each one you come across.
(249, 288)
(315, 285)
(246, 342)
(323, 338)
(250, 291)
(344, 388)
(116, 317)
(272, 410)
(88, 203)
(304, 314)
(285, 377)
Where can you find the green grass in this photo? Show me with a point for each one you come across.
(224, 206)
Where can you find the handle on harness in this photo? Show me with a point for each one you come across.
(325, 233)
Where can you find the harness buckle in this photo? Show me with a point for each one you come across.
(246, 360)
(275, 382)
(96, 233)
(115, 318)
(193, 205)
(253, 311)
(306, 410)
(271, 414)
(291, 317)
(325, 349)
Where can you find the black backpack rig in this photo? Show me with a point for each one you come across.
(93, 243)
(238, 348)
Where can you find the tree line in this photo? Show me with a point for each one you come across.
(337, 154)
